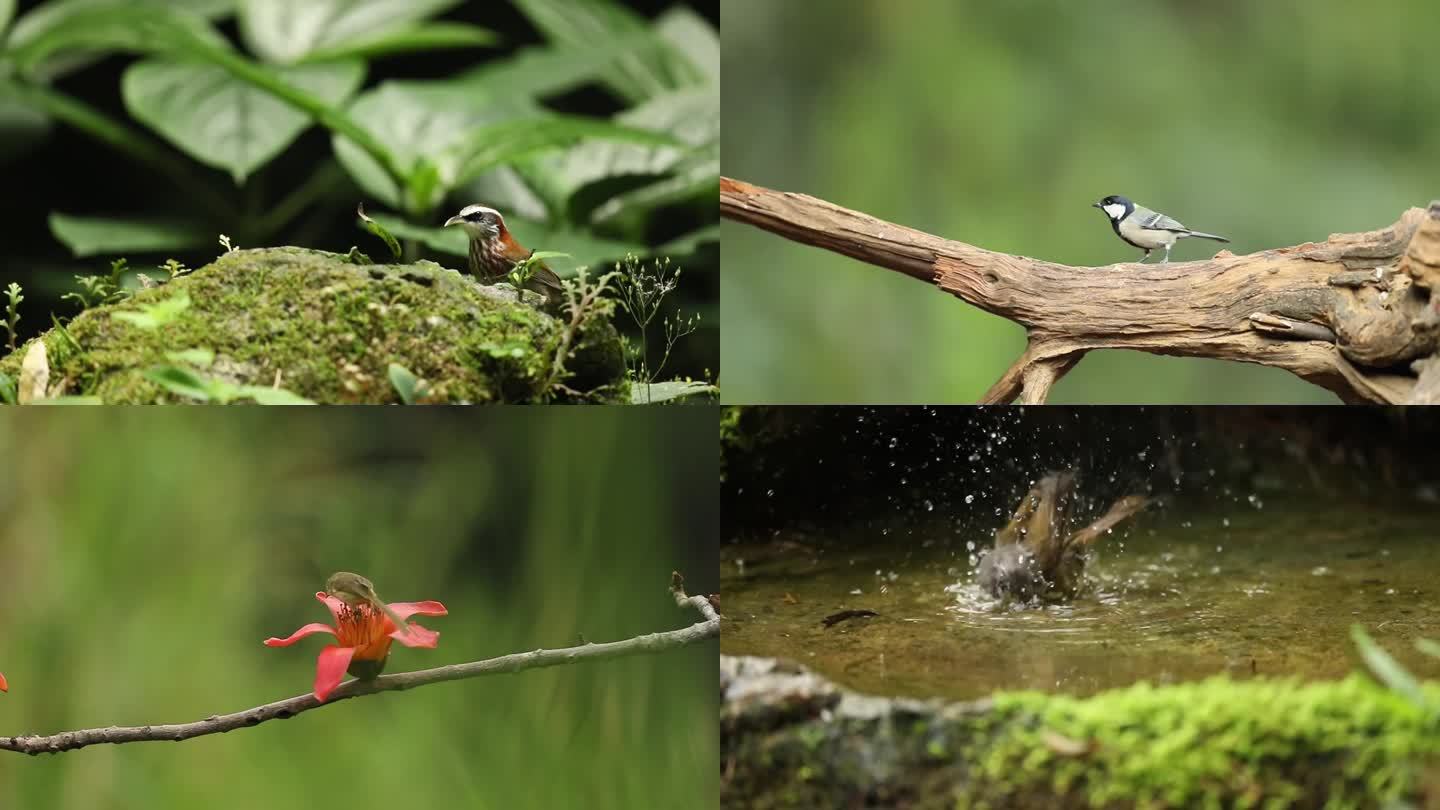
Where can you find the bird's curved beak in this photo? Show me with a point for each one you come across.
(455, 220)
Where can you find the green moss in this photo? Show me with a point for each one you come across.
(1214, 743)
(330, 329)
(1353, 742)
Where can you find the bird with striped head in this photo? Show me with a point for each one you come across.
(494, 252)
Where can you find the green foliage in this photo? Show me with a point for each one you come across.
(410, 144)
(12, 312)
(525, 269)
(91, 236)
(371, 226)
(153, 316)
(188, 382)
(97, 290)
(1385, 668)
(224, 121)
(642, 293)
(410, 388)
(651, 393)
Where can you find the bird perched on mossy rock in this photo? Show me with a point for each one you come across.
(1036, 555)
(494, 252)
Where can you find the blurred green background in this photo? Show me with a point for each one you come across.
(144, 557)
(999, 124)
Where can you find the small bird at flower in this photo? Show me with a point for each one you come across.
(363, 635)
(494, 252)
(353, 589)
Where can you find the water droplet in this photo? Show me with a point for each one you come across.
(1319, 571)
(969, 499)
(769, 493)
(1225, 522)
(929, 507)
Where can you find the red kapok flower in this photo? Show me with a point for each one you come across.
(364, 636)
(4, 687)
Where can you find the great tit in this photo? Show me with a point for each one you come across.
(1146, 229)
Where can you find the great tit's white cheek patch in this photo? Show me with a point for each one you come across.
(1114, 210)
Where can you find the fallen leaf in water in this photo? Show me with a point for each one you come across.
(789, 599)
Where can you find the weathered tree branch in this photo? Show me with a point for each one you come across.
(284, 709)
(1354, 314)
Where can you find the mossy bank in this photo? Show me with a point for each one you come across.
(792, 739)
(328, 330)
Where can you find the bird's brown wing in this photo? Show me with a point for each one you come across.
(546, 276)
(1119, 511)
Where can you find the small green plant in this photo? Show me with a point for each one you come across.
(522, 272)
(584, 302)
(185, 379)
(225, 243)
(12, 311)
(410, 388)
(153, 316)
(175, 269)
(97, 290)
(372, 227)
(1389, 671)
(642, 293)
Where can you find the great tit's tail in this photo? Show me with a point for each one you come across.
(1207, 236)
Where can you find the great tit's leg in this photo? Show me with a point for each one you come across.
(1166, 260)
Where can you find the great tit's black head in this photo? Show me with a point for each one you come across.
(1115, 207)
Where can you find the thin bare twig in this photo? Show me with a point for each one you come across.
(284, 709)
(1349, 314)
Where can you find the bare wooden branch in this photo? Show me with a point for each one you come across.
(1349, 314)
(284, 709)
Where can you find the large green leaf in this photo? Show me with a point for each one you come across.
(21, 125)
(427, 37)
(650, 69)
(510, 141)
(43, 45)
(670, 391)
(584, 250)
(286, 30)
(540, 71)
(223, 121)
(7, 10)
(420, 121)
(92, 236)
(692, 116)
(694, 37)
(689, 243)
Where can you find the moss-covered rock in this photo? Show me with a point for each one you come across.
(328, 330)
(792, 739)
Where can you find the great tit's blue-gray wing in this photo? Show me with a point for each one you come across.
(1156, 221)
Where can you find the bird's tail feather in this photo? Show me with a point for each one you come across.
(1206, 236)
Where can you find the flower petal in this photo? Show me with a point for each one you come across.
(309, 629)
(4, 687)
(335, 605)
(407, 609)
(417, 637)
(330, 669)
